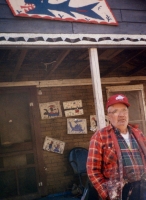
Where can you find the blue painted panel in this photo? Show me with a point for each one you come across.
(122, 28)
(129, 5)
(133, 16)
(35, 26)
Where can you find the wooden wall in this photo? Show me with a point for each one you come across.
(129, 14)
(59, 173)
(60, 176)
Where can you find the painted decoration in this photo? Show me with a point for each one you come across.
(88, 11)
(72, 104)
(50, 110)
(69, 113)
(73, 108)
(93, 122)
(51, 144)
(76, 126)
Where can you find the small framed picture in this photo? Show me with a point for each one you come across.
(50, 110)
(76, 126)
(51, 144)
(93, 123)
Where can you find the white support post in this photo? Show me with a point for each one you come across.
(97, 90)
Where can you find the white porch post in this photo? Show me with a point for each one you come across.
(97, 90)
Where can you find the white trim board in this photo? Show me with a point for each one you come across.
(124, 88)
(26, 39)
(72, 82)
(97, 90)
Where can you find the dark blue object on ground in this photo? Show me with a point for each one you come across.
(60, 196)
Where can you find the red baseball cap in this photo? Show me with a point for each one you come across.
(117, 98)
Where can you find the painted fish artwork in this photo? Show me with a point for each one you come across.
(88, 11)
(50, 110)
(76, 126)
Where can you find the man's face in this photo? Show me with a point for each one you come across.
(119, 116)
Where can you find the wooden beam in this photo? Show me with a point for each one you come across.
(106, 55)
(82, 71)
(73, 82)
(120, 63)
(137, 69)
(59, 60)
(11, 53)
(19, 63)
(97, 90)
(109, 54)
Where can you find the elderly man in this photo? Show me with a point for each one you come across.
(116, 163)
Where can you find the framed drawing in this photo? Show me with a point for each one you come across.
(93, 122)
(70, 113)
(76, 126)
(51, 144)
(73, 108)
(72, 104)
(50, 110)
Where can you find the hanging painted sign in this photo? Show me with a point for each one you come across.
(51, 144)
(76, 126)
(93, 122)
(88, 11)
(72, 104)
(75, 112)
(73, 108)
(50, 110)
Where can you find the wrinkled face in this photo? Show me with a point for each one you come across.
(118, 115)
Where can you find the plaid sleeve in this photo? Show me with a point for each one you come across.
(94, 164)
(143, 138)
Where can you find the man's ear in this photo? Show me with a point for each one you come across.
(107, 120)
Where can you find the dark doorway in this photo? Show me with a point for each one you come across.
(19, 160)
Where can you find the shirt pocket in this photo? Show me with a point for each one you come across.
(109, 155)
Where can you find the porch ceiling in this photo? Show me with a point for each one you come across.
(52, 64)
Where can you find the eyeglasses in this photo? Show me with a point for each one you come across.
(117, 112)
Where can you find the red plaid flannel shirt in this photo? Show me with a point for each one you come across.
(102, 158)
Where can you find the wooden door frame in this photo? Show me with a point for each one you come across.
(36, 140)
(125, 88)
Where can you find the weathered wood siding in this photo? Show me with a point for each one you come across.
(131, 16)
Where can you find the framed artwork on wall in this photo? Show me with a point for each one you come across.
(73, 108)
(76, 126)
(50, 110)
(72, 104)
(93, 122)
(53, 145)
(75, 112)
